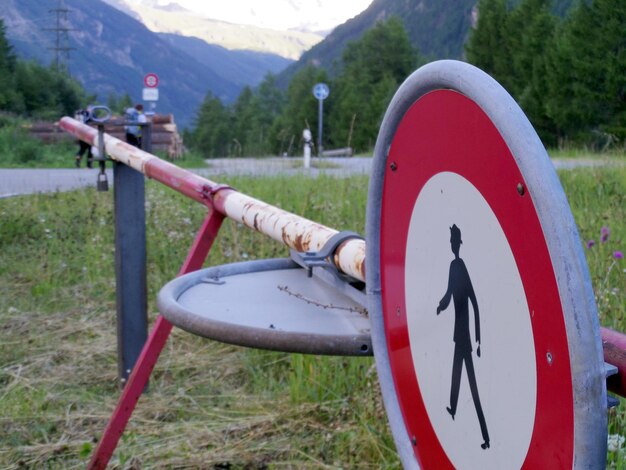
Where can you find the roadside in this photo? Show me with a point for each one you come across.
(15, 182)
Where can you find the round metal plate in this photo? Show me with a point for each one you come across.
(267, 304)
(483, 317)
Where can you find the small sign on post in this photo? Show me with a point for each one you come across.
(321, 92)
(151, 91)
(151, 80)
(150, 94)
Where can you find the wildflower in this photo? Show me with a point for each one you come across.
(590, 244)
(615, 442)
(618, 255)
(605, 233)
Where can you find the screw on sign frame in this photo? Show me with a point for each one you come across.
(472, 249)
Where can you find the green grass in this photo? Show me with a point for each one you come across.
(209, 404)
(577, 153)
(18, 149)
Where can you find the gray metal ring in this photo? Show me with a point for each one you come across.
(564, 246)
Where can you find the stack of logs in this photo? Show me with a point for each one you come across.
(165, 136)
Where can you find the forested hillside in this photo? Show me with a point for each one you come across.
(568, 74)
(270, 121)
(437, 28)
(31, 90)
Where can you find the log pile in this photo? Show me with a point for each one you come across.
(165, 136)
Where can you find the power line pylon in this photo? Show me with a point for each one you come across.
(61, 45)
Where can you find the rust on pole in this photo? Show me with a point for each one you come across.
(292, 230)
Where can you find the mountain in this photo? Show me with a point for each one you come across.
(111, 52)
(437, 28)
(239, 67)
(174, 19)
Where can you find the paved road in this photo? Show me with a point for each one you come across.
(21, 181)
(15, 182)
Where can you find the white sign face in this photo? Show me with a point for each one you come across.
(484, 273)
(150, 94)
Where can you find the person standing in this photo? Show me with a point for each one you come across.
(135, 117)
(84, 116)
(461, 290)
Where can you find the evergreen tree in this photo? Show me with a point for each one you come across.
(510, 46)
(9, 98)
(211, 135)
(270, 102)
(487, 46)
(244, 122)
(301, 110)
(118, 105)
(373, 68)
(531, 29)
(587, 77)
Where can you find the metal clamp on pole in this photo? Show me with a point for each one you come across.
(102, 183)
(323, 257)
(100, 115)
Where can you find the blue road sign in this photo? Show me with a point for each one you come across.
(320, 91)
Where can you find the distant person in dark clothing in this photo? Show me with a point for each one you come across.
(461, 291)
(134, 118)
(84, 116)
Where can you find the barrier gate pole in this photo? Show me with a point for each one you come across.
(151, 350)
(295, 232)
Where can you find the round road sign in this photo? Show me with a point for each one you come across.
(151, 80)
(321, 91)
(484, 324)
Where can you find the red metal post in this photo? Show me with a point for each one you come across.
(151, 350)
(614, 345)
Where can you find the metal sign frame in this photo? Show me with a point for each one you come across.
(301, 313)
(540, 183)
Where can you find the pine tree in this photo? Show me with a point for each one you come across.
(9, 98)
(587, 73)
(531, 29)
(300, 111)
(487, 47)
(372, 70)
(211, 135)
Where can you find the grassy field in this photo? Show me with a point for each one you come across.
(209, 405)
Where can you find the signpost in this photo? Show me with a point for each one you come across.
(320, 91)
(151, 90)
(483, 320)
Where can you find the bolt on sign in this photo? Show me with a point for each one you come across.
(484, 323)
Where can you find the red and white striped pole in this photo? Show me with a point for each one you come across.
(294, 231)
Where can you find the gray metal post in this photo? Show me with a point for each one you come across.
(130, 266)
(146, 139)
(320, 118)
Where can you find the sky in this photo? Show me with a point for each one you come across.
(315, 15)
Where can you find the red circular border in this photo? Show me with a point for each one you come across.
(147, 77)
(446, 131)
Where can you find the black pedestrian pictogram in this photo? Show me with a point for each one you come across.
(461, 290)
